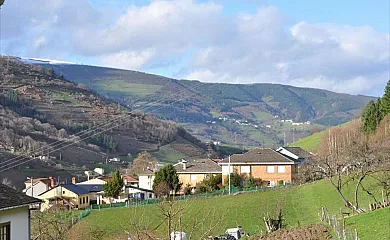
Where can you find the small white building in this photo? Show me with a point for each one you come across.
(15, 213)
(146, 179)
(36, 186)
(99, 171)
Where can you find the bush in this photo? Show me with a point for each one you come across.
(235, 179)
(202, 188)
(213, 182)
(187, 189)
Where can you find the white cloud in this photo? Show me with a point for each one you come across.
(127, 59)
(261, 47)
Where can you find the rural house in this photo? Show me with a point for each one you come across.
(15, 213)
(194, 171)
(264, 163)
(296, 154)
(66, 196)
(146, 179)
(36, 186)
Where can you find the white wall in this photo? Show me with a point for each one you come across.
(38, 188)
(93, 181)
(225, 170)
(146, 182)
(19, 218)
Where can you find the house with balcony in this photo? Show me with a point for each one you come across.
(65, 196)
(265, 163)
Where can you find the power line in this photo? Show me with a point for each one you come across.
(108, 122)
(28, 160)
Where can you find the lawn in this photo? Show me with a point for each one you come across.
(136, 89)
(300, 206)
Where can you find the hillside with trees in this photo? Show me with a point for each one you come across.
(51, 126)
(234, 114)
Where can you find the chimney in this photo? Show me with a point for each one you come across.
(52, 183)
(184, 165)
(73, 180)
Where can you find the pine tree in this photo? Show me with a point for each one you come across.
(385, 103)
(113, 187)
(370, 117)
(166, 180)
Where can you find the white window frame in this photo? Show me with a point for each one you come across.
(281, 169)
(245, 169)
(271, 183)
(269, 169)
(193, 177)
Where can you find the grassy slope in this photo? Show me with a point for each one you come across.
(374, 225)
(300, 204)
(310, 143)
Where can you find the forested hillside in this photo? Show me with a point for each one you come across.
(72, 129)
(236, 114)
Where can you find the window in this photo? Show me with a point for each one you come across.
(150, 195)
(86, 199)
(5, 231)
(281, 169)
(193, 177)
(245, 169)
(271, 183)
(81, 200)
(63, 192)
(270, 169)
(225, 170)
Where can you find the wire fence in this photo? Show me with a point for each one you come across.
(222, 192)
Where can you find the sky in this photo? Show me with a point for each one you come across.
(342, 46)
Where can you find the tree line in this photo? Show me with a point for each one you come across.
(374, 112)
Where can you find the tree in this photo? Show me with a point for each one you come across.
(213, 182)
(385, 104)
(114, 186)
(235, 179)
(370, 117)
(167, 177)
(141, 163)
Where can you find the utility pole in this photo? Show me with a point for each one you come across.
(229, 175)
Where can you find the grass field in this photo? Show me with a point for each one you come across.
(119, 86)
(310, 143)
(373, 225)
(300, 206)
(168, 154)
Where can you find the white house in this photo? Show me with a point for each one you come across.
(36, 186)
(146, 179)
(15, 213)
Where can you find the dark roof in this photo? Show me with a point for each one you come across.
(146, 172)
(258, 156)
(298, 151)
(92, 187)
(75, 188)
(9, 197)
(199, 166)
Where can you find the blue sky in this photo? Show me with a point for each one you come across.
(341, 46)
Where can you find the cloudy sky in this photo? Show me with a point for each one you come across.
(337, 45)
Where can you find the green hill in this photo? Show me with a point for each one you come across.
(300, 206)
(249, 109)
(310, 143)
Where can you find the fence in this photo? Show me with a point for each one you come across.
(223, 192)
